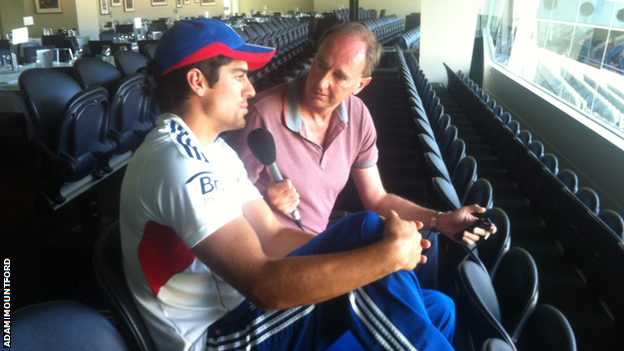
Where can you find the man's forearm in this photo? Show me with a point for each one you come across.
(406, 209)
(306, 280)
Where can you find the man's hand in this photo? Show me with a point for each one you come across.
(449, 224)
(282, 196)
(410, 242)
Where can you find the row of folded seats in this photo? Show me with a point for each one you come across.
(586, 195)
(387, 29)
(289, 36)
(495, 286)
(86, 122)
(591, 238)
(342, 16)
(410, 39)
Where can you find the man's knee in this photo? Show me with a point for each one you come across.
(439, 306)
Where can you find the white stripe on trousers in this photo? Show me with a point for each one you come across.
(380, 327)
(251, 335)
(371, 316)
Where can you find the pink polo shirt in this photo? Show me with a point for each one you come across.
(318, 173)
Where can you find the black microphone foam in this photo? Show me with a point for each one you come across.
(262, 145)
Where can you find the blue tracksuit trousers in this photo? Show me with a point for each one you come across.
(393, 313)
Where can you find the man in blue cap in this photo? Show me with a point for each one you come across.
(208, 263)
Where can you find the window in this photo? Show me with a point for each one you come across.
(570, 49)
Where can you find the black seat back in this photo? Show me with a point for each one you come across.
(85, 125)
(516, 284)
(46, 106)
(107, 260)
(70, 127)
(128, 122)
(90, 71)
(491, 251)
(150, 51)
(480, 310)
(129, 62)
(547, 329)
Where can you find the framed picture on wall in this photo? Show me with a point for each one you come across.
(128, 5)
(159, 2)
(115, 3)
(103, 7)
(178, 3)
(50, 6)
(208, 2)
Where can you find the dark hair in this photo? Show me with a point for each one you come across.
(373, 48)
(172, 90)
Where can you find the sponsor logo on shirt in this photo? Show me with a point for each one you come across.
(209, 184)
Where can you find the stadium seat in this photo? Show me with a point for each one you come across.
(447, 137)
(514, 126)
(129, 122)
(614, 221)
(110, 275)
(446, 196)
(129, 62)
(90, 71)
(61, 325)
(464, 175)
(547, 329)
(479, 315)
(537, 148)
(551, 163)
(435, 111)
(70, 128)
(455, 152)
(590, 199)
(525, 136)
(436, 167)
(569, 180)
(498, 110)
(422, 126)
(506, 118)
(480, 193)
(495, 344)
(440, 126)
(492, 249)
(428, 144)
(150, 50)
(515, 281)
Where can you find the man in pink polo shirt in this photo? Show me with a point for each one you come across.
(324, 133)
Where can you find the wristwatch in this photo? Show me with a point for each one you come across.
(434, 221)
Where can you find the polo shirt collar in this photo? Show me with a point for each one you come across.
(292, 107)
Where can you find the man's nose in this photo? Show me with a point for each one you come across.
(324, 80)
(248, 90)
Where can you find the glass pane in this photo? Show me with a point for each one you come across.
(572, 49)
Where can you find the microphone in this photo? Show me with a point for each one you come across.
(262, 145)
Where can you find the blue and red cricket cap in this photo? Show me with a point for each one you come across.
(198, 39)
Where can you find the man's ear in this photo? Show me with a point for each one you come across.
(363, 82)
(196, 81)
